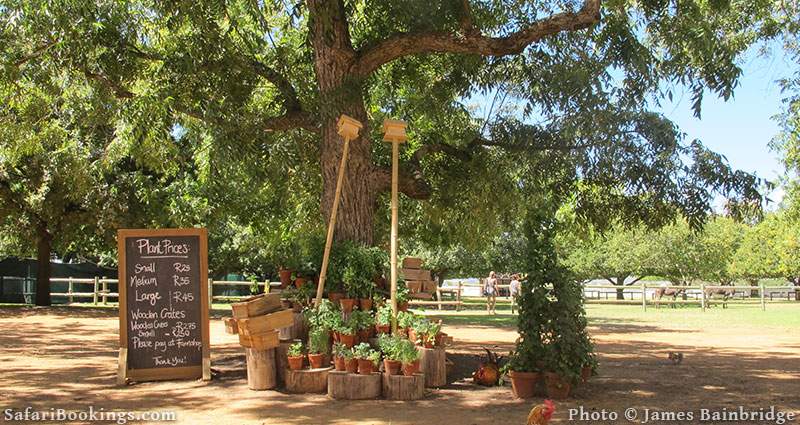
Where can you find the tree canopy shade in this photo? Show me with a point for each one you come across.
(265, 77)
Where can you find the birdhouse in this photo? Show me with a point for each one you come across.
(394, 131)
(348, 127)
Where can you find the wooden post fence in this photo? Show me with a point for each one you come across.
(644, 296)
(703, 297)
(70, 288)
(96, 288)
(105, 290)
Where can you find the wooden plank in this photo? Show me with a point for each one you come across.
(432, 364)
(412, 263)
(256, 306)
(416, 274)
(266, 323)
(260, 342)
(399, 387)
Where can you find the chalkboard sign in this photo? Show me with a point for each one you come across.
(163, 304)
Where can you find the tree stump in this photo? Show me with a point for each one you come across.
(352, 386)
(282, 361)
(298, 330)
(433, 363)
(399, 387)
(307, 380)
(261, 369)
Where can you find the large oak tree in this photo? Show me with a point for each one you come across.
(268, 79)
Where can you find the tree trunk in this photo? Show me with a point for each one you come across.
(43, 267)
(333, 57)
(621, 282)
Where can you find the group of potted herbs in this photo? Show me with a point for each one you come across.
(361, 341)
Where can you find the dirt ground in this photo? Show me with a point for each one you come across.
(67, 358)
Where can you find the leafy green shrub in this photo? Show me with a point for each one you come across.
(295, 350)
(384, 315)
(318, 341)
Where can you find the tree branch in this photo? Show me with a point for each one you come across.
(290, 99)
(37, 52)
(465, 153)
(412, 185)
(369, 59)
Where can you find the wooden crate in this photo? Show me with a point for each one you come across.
(230, 326)
(412, 263)
(416, 274)
(263, 341)
(256, 306)
(429, 286)
(414, 286)
(266, 323)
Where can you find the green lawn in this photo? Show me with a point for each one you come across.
(783, 316)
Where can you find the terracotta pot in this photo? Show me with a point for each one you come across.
(335, 297)
(412, 336)
(299, 282)
(438, 340)
(403, 306)
(363, 335)
(286, 277)
(347, 304)
(348, 340)
(296, 362)
(316, 360)
(523, 384)
(410, 368)
(365, 366)
(586, 373)
(558, 388)
(392, 367)
(339, 363)
(427, 343)
(365, 304)
(383, 329)
(351, 366)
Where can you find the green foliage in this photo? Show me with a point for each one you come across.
(361, 319)
(363, 351)
(326, 316)
(355, 266)
(318, 339)
(552, 321)
(407, 352)
(295, 350)
(384, 315)
(406, 319)
(338, 349)
(392, 346)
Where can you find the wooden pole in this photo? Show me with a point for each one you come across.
(703, 297)
(763, 301)
(644, 296)
(394, 132)
(96, 288)
(348, 129)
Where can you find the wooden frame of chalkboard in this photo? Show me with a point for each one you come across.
(127, 369)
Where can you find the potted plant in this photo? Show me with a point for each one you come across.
(286, 257)
(405, 321)
(347, 332)
(383, 319)
(524, 374)
(318, 340)
(350, 361)
(338, 350)
(295, 356)
(409, 356)
(390, 346)
(428, 334)
(367, 358)
(402, 294)
(364, 324)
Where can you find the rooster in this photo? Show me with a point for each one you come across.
(541, 413)
(675, 358)
(488, 374)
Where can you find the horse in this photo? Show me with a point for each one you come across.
(727, 293)
(670, 292)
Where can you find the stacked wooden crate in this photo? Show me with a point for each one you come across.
(418, 280)
(258, 320)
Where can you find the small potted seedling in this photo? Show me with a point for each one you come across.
(350, 361)
(338, 351)
(295, 356)
(409, 356)
(367, 358)
(383, 319)
(390, 346)
(317, 347)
